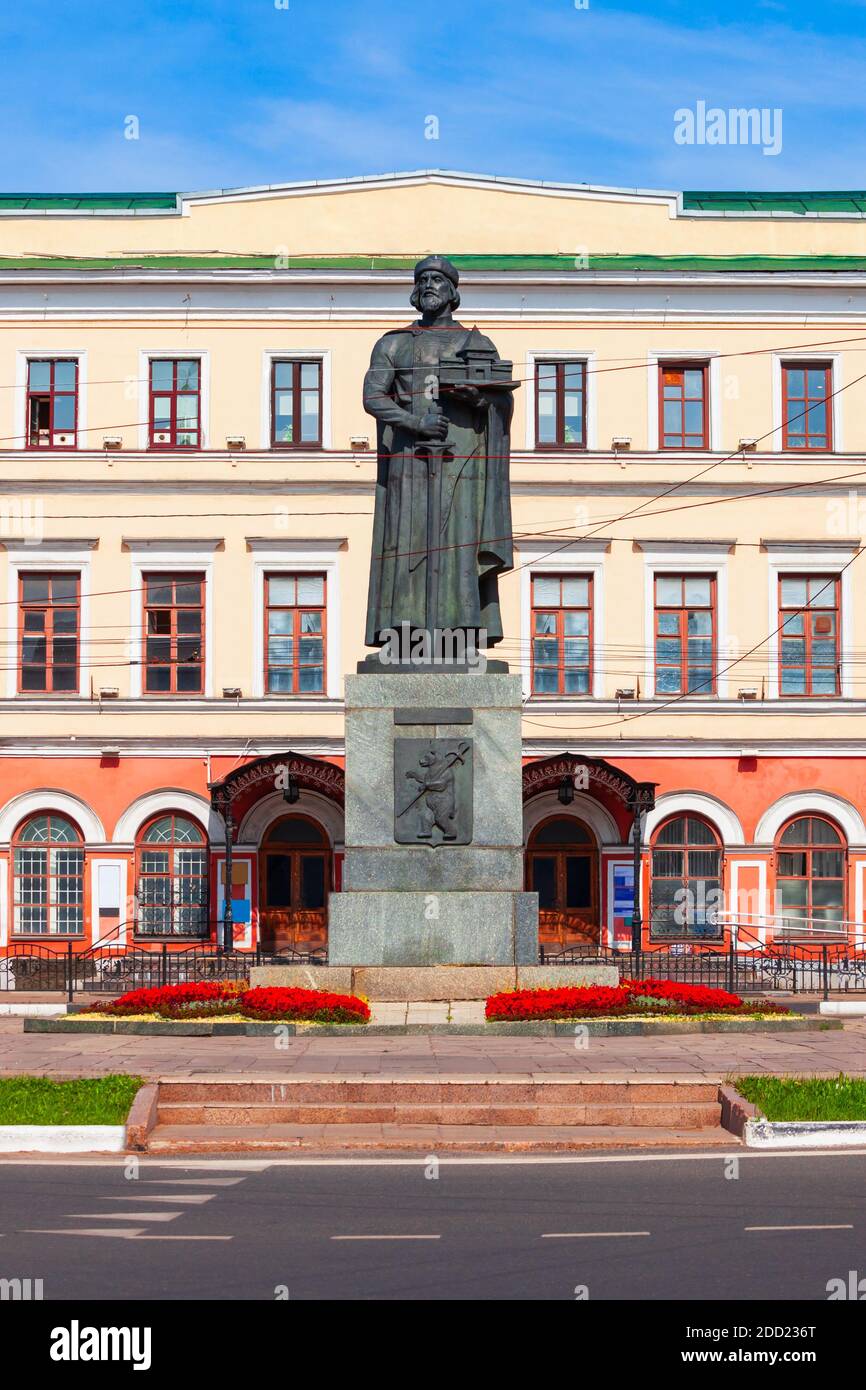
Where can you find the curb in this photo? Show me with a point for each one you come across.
(804, 1134)
(33, 1010)
(62, 1139)
(611, 1028)
(142, 1116)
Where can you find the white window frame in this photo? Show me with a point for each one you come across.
(812, 562)
(714, 385)
(582, 557)
(50, 557)
(698, 559)
(834, 361)
(176, 354)
(193, 557)
(299, 556)
(22, 357)
(271, 355)
(586, 355)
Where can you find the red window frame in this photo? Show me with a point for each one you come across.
(297, 609)
(799, 408)
(49, 897)
(48, 609)
(559, 365)
(824, 585)
(808, 847)
(174, 394)
(682, 610)
(179, 642)
(685, 438)
(665, 849)
(296, 363)
(540, 614)
(66, 439)
(176, 901)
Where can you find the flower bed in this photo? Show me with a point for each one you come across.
(631, 998)
(234, 999)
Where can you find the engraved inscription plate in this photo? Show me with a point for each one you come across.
(433, 791)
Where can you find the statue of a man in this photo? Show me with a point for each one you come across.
(442, 529)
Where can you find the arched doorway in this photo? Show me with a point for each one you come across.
(294, 881)
(562, 868)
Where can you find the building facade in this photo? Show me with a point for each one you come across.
(187, 483)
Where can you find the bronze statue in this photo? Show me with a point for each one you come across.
(443, 400)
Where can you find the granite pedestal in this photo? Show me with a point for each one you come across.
(433, 873)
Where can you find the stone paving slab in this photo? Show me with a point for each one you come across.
(815, 1053)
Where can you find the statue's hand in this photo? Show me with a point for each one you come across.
(432, 425)
(468, 393)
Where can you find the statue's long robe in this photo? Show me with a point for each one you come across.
(475, 542)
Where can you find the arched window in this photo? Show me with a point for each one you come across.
(48, 877)
(685, 891)
(810, 874)
(172, 870)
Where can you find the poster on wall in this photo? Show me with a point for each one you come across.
(623, 903)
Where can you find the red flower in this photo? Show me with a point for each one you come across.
(629, 997)
(209, 999)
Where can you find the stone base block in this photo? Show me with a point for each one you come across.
(381, 928)
(430, 983)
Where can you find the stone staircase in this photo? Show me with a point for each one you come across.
(431, 1114)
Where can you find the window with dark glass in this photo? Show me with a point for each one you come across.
(561, 634)
(295, 616)
(560, 404)
(810, 876)
(296, 403)
(48, 878)
(175, 403)
(683, 405)
(48, 623)
(52, 403)
(806, 413)
(809, 634)
(685, 639)
(174, 634)
(685, 889)
(172, 873)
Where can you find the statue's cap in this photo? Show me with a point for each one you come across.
(440, 263)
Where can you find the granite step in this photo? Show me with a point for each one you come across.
(431, 1138)
(435, 1091)
(232, 1113)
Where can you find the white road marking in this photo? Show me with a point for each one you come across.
(386, 1237)
(124, 1215)
(191, 1182)
(121, 1233)
(845, 1226)
(588, 1235)
(188, 1198)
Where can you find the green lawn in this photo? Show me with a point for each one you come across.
(36, 1100)
(806, 1098)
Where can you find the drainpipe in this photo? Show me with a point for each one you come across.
(228, 926)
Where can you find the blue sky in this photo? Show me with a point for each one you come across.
(233, 92)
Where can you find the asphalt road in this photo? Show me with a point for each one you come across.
(653, 1228)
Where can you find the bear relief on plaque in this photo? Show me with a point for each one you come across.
(433, 791)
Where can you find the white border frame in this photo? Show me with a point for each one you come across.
(97, 865)
(580, 557)
(310, 556)
(22, 357)
(811, 803)
(587, 355)
(725, 820)
(712, 357)
(190, 557)
(175, 354)
(781, 562)
(835, 362)
(703, 558)
(41, 799)
(167, 799)
(54, 559)
(269, 356)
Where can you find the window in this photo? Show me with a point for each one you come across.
(561, 634)
(174, 634)
(294, 634)
(48, 878)
(809, 634)
(175, 403)
(48, 622)
(172, 875)
(52, 403)
(296, 404)
(806, 414)
(685, 889)
(560, 405)
(685, 639)
(810, 875)
(683, 405)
